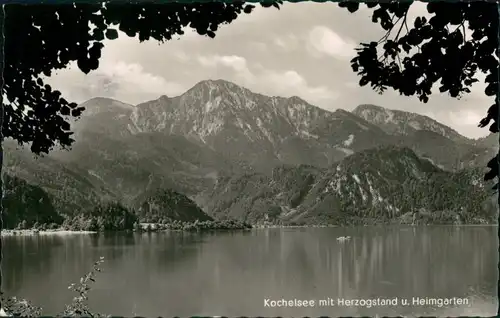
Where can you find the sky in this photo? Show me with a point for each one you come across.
(302, 49)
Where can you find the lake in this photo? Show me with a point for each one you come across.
(242, 273)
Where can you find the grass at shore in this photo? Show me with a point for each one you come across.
(15, 307)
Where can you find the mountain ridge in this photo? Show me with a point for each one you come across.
(403, 122)
(221, 136)
(385, 183)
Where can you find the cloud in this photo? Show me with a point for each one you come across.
(268, 81)
(291, 83)
(324, 41)
(128, 82)
(466, 117)
(181, 56)
(465, 121)
(256, 45)
(287, 42)
(131, 77)
(352, 85)
(235, 62)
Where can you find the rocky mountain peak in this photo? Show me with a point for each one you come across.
(398, 122)
(217, 86)
(98, 105)
(368, 107)
(104, 115)
(296, 100)
(216, 83)
(376, 114)
(339, 112)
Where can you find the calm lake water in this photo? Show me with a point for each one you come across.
(232, 274)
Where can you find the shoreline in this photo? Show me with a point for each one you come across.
(31, 232)
(273, 226)
(367, 225)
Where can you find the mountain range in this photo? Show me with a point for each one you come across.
(259, 158)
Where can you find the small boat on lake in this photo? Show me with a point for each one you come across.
(343, 238)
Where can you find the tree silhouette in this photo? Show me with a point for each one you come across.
(412, 56)
(40, 39)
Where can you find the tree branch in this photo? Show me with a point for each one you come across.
(388, 33)
(401, 27)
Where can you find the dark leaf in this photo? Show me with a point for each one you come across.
(248, 8)
(350, 6)
(111, 34)
(491, 89)
(211, 34)
(65, 110)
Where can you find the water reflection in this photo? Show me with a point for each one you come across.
(231, 273)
